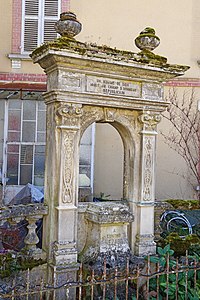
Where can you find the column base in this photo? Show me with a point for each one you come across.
(59, 276)
(64, 253)
(145, 244)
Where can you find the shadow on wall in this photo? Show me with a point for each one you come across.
(108, 162)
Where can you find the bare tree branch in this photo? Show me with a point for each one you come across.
(184, 134)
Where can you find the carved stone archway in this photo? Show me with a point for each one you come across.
(86, 84)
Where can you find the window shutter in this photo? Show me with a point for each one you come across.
(50, 17)
(49, 30)
(31, 25)
(51, 8)
(30, 34)
(38, 24)
(31, 7)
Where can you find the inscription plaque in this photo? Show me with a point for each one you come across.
(152, 91)
(113, 87)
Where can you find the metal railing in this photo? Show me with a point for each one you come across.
(177, 280)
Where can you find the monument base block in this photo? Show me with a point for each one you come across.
(107, 237)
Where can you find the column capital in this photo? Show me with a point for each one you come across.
(149, 121)
(68, 114)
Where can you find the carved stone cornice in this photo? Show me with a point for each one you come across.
(149, 120)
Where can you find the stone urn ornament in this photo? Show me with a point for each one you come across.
(147, 40)
(68, 26)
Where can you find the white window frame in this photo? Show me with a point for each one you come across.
(9, 187)
(20, 143)
(41, 18)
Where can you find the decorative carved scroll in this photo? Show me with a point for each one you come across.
(148, 167)
(90, 115)
(68, 175)
(149, 120)
(69, 114)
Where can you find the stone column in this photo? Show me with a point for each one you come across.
(145, 207)
(62, 162)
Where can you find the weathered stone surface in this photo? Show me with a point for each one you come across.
(147, 40)
(108, 212)
(68, 25)
(82, 226)
(23, 211)
(92, 51)
(31, 213)
(107, 234)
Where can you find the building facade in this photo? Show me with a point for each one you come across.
(25, 25)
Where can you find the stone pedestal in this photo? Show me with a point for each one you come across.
(107, 233)
(144, 243)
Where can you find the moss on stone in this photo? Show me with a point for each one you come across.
(178, 244)
(14, 262)
(93, 50)
(149, 57)
(184, 204)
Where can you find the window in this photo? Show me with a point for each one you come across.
(26, 142)
(39, 17)
(24, 160)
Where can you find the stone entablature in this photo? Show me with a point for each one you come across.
(113, 74)
(108, 55)
(103, 76)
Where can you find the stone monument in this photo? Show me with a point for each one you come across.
(88, 83)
